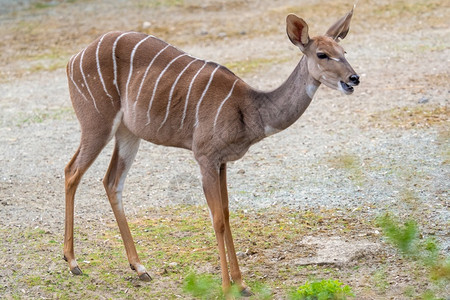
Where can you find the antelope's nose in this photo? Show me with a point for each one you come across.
(354, 79)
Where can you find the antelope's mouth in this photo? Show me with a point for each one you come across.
(345, 88)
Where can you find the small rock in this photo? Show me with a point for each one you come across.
(173, 264)
(222, 34)
(250, 252)
(240, 254)
(423, 100)
(146, 25)
(241, 171)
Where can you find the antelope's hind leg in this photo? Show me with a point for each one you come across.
(125, 149)
(90, 147)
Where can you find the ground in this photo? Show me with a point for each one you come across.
(318, 185)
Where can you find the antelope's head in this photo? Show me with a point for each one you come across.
(325, 57)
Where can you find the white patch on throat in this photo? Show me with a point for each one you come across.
(269, 130)
(311, 90)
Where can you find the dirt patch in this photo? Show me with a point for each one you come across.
(336, 251)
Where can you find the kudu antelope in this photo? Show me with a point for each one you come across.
(132, 86)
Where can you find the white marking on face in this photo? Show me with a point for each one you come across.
(223, 103)
(99, 70)
(171, 92)
(85, 81)
(146, 72)
(188, 94)
(203, 95)
(341, 89)
(335, 59)
(156, 85)
(311, 90)
(131, 67)
(269, 130)
(114, 59)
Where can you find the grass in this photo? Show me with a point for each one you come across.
(177, 245)
(173, 243)
(351, 164)
(248, 66)
(379, 279)
(406, 237)
(419, 116)
(41, 115)
(182, 31)
(141, 4)
(367, 13)
(49, 60)
(403, 8)
(322, 290)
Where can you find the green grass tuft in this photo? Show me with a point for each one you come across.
(322, 290)
(203, 286)
(403, 236)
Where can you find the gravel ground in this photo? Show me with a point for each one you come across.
(297, 168)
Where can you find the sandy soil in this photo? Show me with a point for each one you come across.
(394, 129)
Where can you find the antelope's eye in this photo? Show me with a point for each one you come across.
(322, 55)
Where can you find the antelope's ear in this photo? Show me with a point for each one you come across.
(340, 29)
(297, 31)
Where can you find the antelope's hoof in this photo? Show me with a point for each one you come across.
(246, 292)
(145, 277)
(76, 271)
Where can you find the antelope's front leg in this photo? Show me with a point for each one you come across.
(211, 188)
(234, 265)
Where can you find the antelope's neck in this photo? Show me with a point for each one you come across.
(283, 106)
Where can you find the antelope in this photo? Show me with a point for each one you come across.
(134, 86)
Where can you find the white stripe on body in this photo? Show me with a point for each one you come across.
(188, 93)
(156, 85)
(223, 103)
(85, 81)
(71, 75)
(131, 67)
(114, 59)
(99, 69)
(197, 109)
(171, 92)
(69, 70)
(146, 72)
